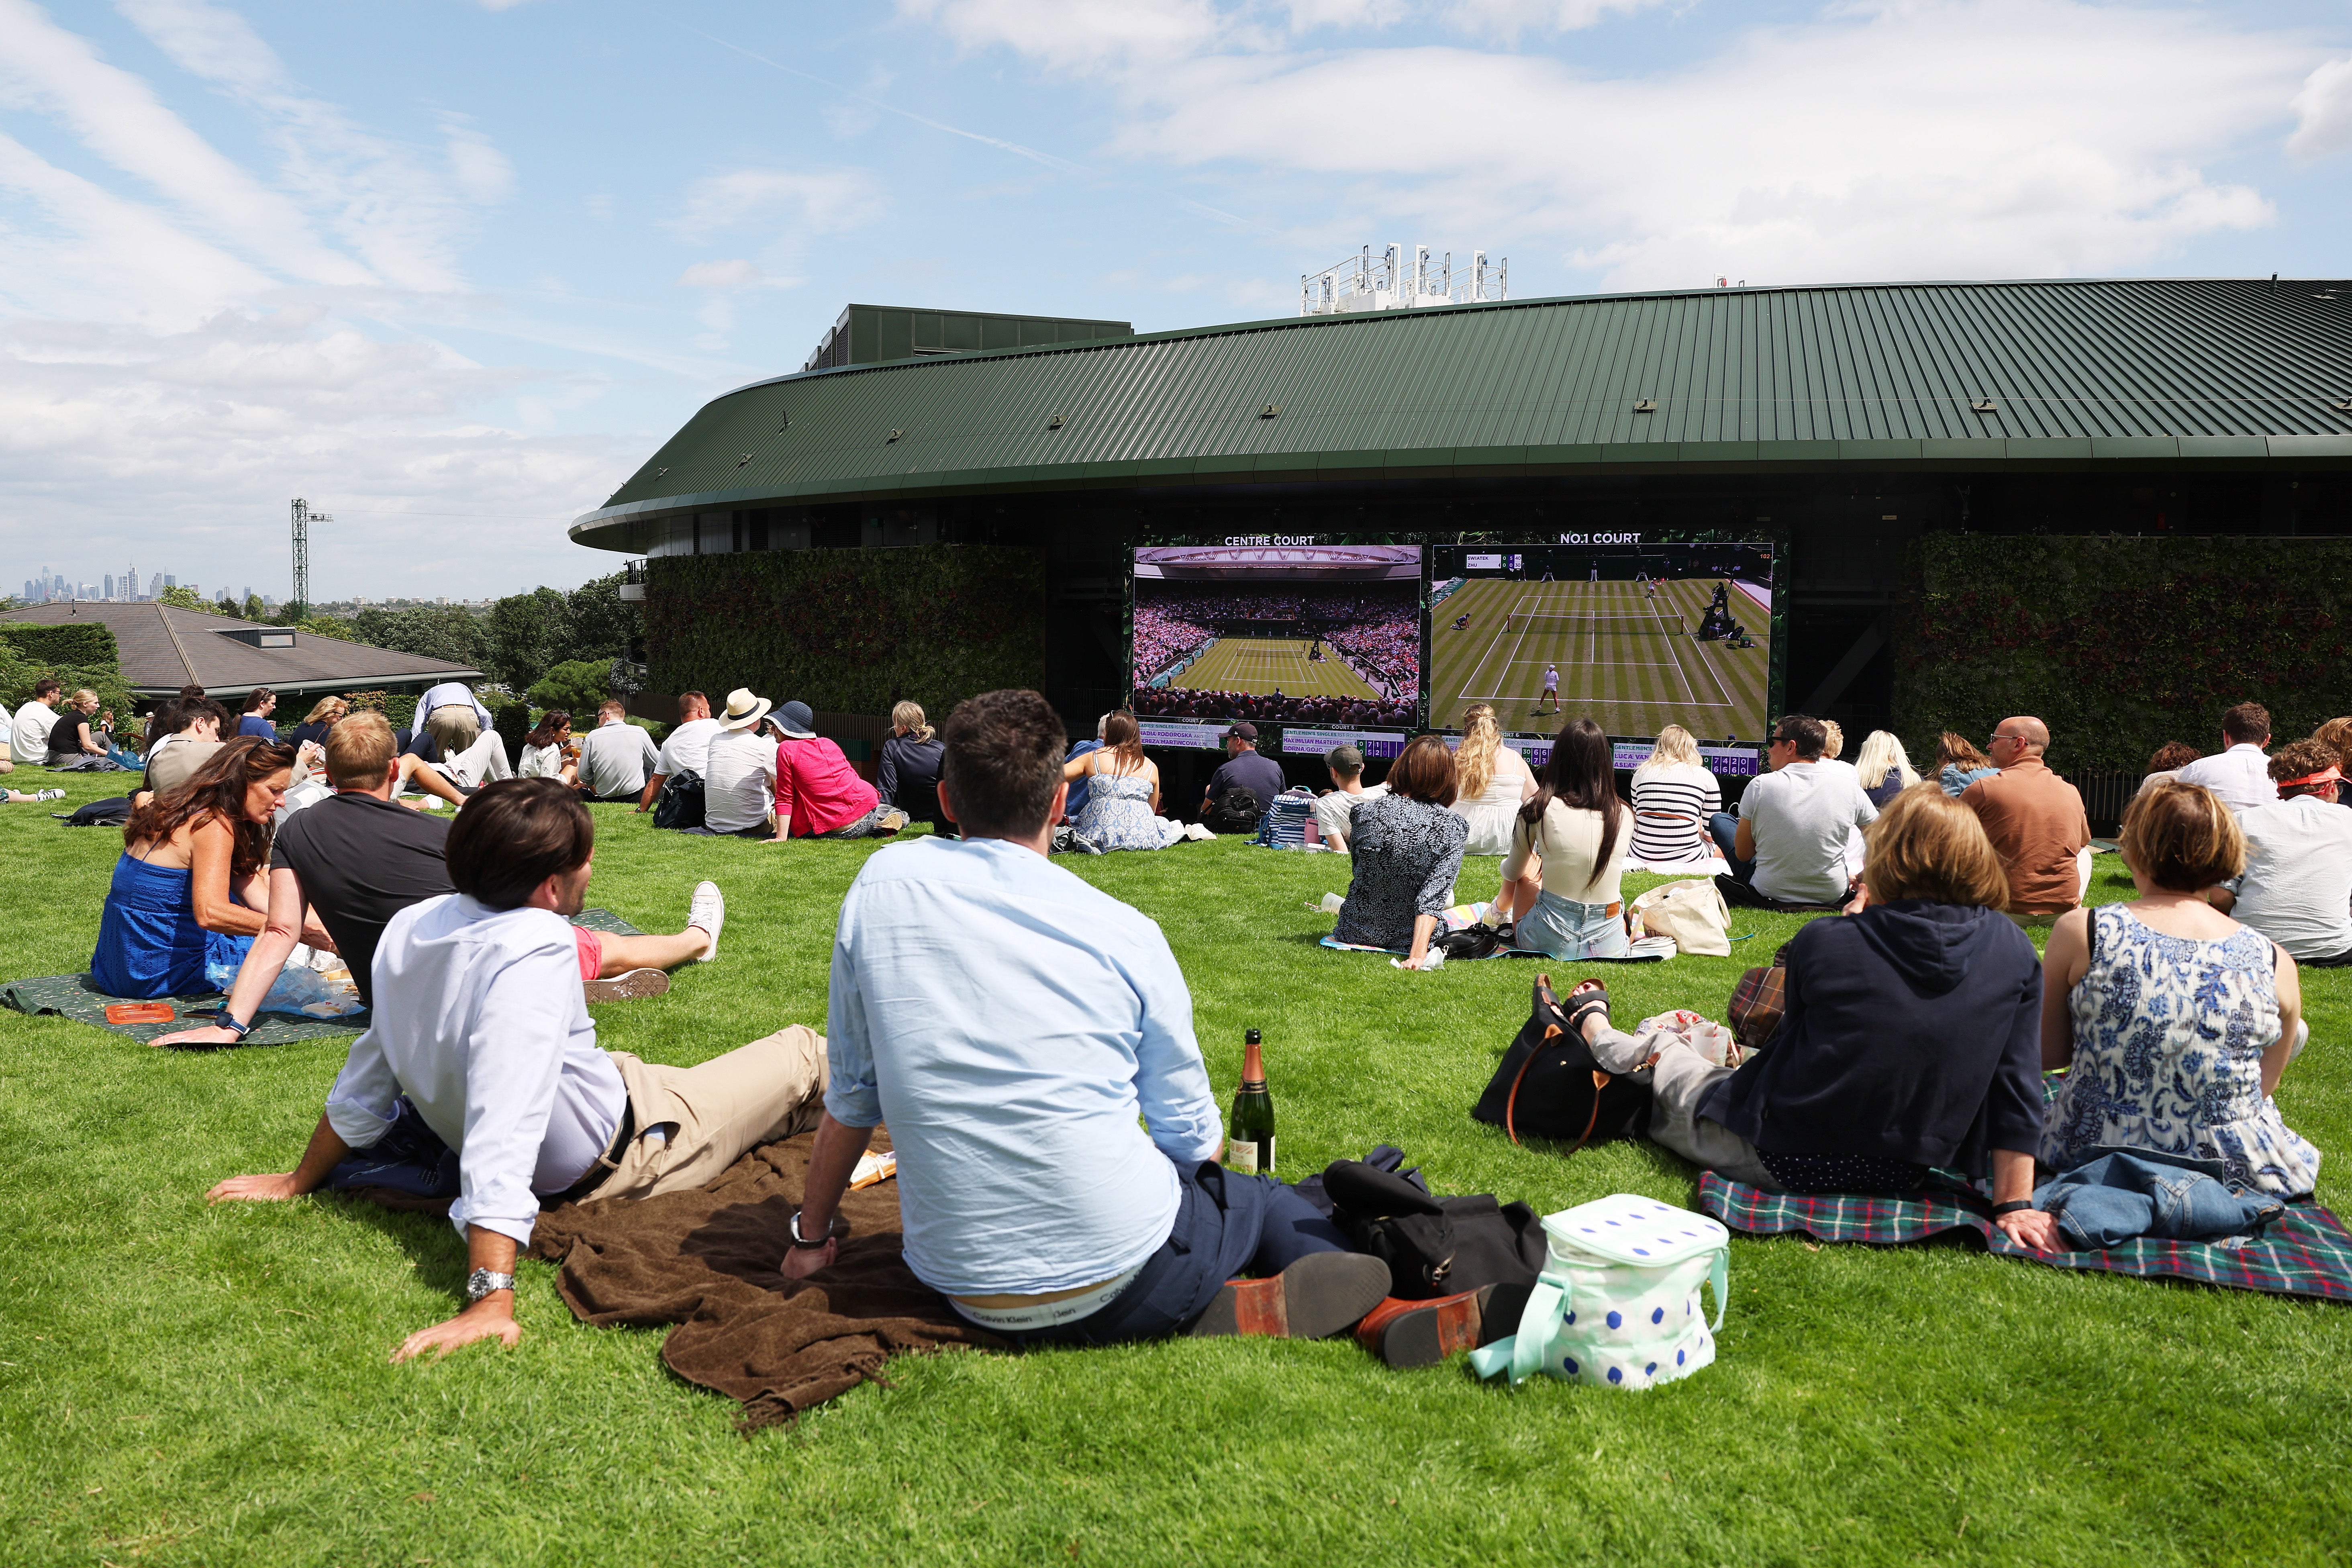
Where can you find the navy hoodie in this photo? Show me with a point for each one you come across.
(1913, 1032)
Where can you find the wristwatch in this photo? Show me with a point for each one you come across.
(482, 1282)
(804, 1243)
(2014, 1205)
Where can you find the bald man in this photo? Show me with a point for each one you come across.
(2034, 819)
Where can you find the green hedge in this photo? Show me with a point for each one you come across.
(2120, 644)
(84, 644)
(851, 631)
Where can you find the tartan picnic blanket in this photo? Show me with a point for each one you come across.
(78, 997)
(2306, 1252)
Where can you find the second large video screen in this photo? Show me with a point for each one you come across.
(1633, 637)
(1289, 631)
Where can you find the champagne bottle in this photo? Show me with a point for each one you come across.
(1249, 1132)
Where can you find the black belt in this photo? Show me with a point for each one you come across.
(599, 1173)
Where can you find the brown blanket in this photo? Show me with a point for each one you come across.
(708, 1261)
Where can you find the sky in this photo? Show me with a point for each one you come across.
(451, 269)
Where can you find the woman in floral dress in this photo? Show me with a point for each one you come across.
(2175, 1021)
(1123, 797)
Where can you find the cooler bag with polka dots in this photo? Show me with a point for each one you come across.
(1618, 1302)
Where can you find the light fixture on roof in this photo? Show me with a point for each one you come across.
(743, 460)
(894, 436)
(1055, 422)
(1645, 406)
(2343, 405)
(1985, 405)
(1269, 411)
(784, 423)
(659, 472)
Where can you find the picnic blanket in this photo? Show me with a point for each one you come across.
(78, 997)
(2307, 1252)
(708, 1261)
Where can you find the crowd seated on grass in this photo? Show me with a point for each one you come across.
(1334, 810)
(546, 750)
(617, 757)
(2240, 773)
(480, 1028)
(2174, 1022)
(909, 775)
(82, 738)
(1494, 782)
(1122, 806)
(1788, 845)
(2165, 765)
(1568, 846)
(188, 891)
(2298, 884)
(1405, 850)
(2035, 820)
(1958, 763)
(1029, 1041)
(1674, 798)
(1911, 1040)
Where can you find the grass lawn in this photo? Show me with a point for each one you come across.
(180, 1384)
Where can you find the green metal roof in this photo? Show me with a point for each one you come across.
(2140, 371)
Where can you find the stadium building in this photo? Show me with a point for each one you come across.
(1839, 423)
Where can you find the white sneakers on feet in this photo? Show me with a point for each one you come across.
(48, 795)
(707, 913)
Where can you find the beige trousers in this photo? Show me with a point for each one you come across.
(755, 1094)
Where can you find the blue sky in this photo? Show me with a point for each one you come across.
(451, 269)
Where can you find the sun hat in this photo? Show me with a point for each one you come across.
(795, 719)
(743, 709)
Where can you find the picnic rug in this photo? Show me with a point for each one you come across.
(708, 1261)
(78, 997)
(2306, 1252)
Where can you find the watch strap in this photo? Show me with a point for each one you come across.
(2014, 1205)
(802, 1242)
(484, 1282)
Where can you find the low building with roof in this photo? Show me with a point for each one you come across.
(163, 647)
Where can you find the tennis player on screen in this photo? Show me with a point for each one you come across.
(1551, 689)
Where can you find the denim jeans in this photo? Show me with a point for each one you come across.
(1724, 829)
(2123, 1194)
(1566, 930)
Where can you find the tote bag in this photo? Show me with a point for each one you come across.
(1618, 1303)
(1692, 912)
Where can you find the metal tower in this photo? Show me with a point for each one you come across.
(303, 517)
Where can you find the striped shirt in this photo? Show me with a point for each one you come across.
(1672, 803)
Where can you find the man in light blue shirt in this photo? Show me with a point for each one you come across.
(1013, 1025)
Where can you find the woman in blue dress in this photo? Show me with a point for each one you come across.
(1123, 809)
(191, 889)
(2174, 1021)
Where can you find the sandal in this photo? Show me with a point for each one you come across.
(1582, 1007)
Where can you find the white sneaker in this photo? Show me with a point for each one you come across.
(48, 795)
(706, 912)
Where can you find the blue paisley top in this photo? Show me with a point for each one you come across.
(2169, 1034)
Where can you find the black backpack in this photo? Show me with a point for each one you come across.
(112, 812)
(1235, 811)
(680, 803)
(1434, 1247)
(1551, 1086)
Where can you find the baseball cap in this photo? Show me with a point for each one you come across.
(1245, 729)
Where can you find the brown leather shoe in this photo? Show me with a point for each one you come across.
(1321, 1294)
(1421, 1333)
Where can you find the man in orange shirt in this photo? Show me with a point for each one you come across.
(2034, 819)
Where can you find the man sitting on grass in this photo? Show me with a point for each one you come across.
(357, 859)
(2298, 880)
(617, 757)
(687, 748)
(483, 1032)
(1012, 1025)
(28, 731)
(1788, 845)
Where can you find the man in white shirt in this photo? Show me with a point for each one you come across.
(616, 756)
(1788, 845)
(28, 732)
(688, 749)
(480, 1026)
(1335, 813)
(2297, 888)
(448, 694)
(2240, 775)
(739, 774)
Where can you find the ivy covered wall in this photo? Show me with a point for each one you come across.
(2120, 644)
(851, 631)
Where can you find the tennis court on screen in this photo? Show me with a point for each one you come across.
(1627, 661)
(1261, 665)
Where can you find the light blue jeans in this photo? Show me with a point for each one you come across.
(1567, 930)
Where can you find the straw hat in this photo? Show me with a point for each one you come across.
(743, 709)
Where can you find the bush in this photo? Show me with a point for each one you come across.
(576, 685)
(444, 632)
(527, 634)
(85, 643)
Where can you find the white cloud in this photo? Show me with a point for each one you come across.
(1077, 34)
(1929, 138)
(2323, 111)
(1506, 19)
(782, 198)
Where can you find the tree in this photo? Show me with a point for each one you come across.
(254, 610)
(333, 626)
(436, 632)
(603, 625)
(527, 634)
(182, 598)
(577, 686)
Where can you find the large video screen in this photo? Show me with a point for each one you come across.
(1281, 629)
(1634, 636)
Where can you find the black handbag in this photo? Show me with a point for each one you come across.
(1434, 1247)
(680, 803)
(1551, 1086)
